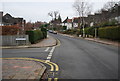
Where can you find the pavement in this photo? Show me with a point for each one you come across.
(22, 69)
(103, 41)
(48, 42)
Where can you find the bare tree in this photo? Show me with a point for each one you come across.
(83, 9)
(51, 14)
(54, 15)
(109, 5)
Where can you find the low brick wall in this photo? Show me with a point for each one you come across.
(10, 40)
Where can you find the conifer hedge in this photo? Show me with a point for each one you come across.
(35, 36)
(109, 32)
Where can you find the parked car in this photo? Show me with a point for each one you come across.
(54, 32)
(50, 31)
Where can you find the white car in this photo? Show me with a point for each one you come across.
(54, 32)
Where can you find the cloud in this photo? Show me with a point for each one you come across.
(35, 11)
(54, 0)
(37, 0)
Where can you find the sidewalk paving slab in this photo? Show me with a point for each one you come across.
(22, 69)
(48, 42)
(103, 41)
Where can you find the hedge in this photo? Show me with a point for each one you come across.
(35, 36)
(64, 28)
(90, 31)
(109, 32)
(70, 31)
(44, 31)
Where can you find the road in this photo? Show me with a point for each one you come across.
(77, 58)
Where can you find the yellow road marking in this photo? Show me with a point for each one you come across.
(55, 79)
(59, 43)
(49, 79)
(50, 64)
(43, 61)
(56, 66)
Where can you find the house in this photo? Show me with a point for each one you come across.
(112, 14)
(115, 13)
(68, 23)
(7, 19)
(75, 22)
(64, 23)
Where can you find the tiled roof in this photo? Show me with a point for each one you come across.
(69, 20)
(76, 19)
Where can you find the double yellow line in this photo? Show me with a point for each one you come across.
(50, 79)
(58, 42)
(51, 64)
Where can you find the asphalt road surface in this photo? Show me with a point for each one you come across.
(77, 58)
(82, 59)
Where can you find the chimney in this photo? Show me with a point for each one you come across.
(1, 15)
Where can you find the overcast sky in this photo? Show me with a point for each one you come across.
(37, 10)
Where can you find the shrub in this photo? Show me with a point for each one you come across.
(72, 32)
(44, 31)
(78, 32)
(90, 31)
(10, 30)
(64, 27)
(109, 32)
(35, 36)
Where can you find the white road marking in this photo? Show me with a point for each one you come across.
(47, 48)
(53, 48)
(50, 54)
(47, 61)
(48, 57)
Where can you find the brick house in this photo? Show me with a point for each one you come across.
(7, 19)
